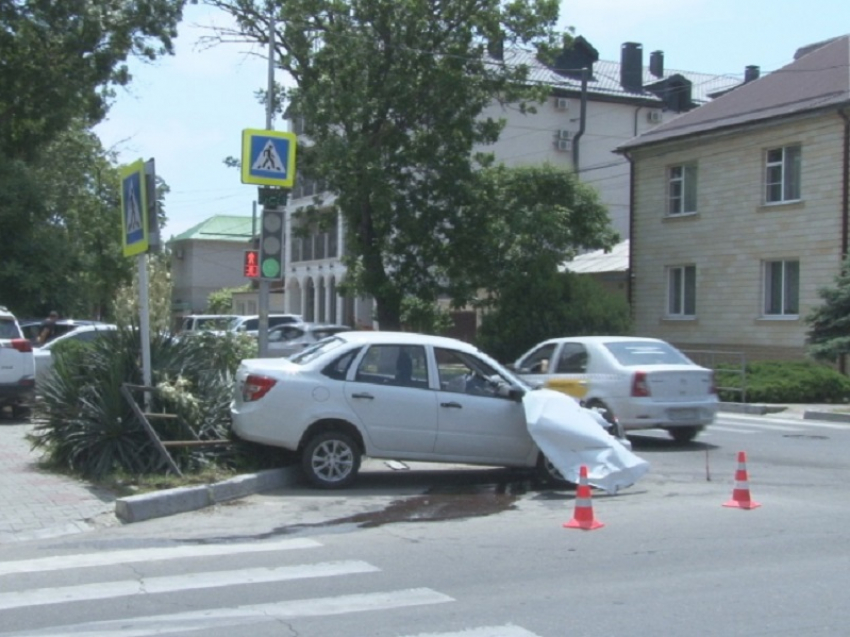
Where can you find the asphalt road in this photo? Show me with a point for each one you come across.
(440, 552)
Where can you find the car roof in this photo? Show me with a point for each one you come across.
(604, 339)
(404, 338)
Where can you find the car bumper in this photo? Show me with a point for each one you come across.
(649, 415)
(20, 392)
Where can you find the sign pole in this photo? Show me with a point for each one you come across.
(144, 325)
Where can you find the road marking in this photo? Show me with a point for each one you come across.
(733, 430)
(507, 630)
(217, 618)
(87, 560)
(192, 581)
(799, 422)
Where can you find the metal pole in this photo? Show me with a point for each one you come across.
(144, 325)
(263, 323)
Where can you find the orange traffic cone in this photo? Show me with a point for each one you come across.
(583, 516)
(741, 493)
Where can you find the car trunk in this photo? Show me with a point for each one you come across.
(679, 385)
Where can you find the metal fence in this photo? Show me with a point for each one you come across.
(734, 363)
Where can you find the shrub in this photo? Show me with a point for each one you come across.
(787, 382)
(86, 426)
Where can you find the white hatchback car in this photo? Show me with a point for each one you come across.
(644, 382)
(82, 334)
(17, 367)
(404, 396)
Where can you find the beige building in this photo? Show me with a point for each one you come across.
(740, 210)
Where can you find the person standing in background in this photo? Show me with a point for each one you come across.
(48, 328)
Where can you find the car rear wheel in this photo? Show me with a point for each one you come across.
(331, 460)
(684, 434)
(548, 473)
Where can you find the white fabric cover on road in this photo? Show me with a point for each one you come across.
(570, 437)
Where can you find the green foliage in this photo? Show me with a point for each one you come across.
(86, 426)
(547, 304)
(221, 301)
(394, 93)
(786, 382)
(424, 317)
(127, 304)
(59, 60)
(829, 324)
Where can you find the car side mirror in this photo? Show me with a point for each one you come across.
(511, 392)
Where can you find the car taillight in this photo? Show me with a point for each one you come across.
(256, 386)
(640, 388)
(21, 344)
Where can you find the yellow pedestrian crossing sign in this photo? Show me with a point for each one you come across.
(134, 209)
(268, 158)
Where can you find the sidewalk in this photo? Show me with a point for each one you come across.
(37, 504)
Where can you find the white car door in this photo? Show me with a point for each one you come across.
(390, 394)
(473, 422)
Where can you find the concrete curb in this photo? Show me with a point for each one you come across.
(826, 415)
(750, 408)
(146, 506)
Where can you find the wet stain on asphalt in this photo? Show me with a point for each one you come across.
(436, 505)
(440, 504)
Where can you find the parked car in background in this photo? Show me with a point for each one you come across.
(251, 324)
(82, 334)
(644, 382)
(32, 328)
(291, 338)
(17, 365)
(200, 322)
(406, 396)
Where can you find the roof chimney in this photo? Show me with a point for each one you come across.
(751, 73)
(656, 63)
(631, 66)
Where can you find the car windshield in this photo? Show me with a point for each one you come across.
(316, 350)
(8, 329)
(631, 353)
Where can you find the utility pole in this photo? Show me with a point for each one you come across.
(263, 323)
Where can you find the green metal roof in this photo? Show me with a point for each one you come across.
(219, 228)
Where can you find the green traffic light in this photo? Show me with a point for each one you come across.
(271, 268)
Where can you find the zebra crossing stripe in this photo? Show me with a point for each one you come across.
(218, 618)
(193, 581)
(86, 560)
(508, 630)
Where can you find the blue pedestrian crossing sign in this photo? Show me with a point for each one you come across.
(268, 158)
(134, 209)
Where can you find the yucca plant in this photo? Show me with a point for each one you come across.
(85, 425)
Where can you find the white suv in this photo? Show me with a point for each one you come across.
(17, 365)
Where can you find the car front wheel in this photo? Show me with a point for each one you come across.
(684, 434)
(548, 473)
(331, 460)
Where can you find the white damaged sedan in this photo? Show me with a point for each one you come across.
(404, 396)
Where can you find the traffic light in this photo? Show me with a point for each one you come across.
(251, 264)
(271, 244)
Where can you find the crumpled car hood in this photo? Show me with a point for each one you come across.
(570, 437)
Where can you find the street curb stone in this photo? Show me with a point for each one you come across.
(826, 415)
(136, 508)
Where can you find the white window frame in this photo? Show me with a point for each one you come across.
(781, 288)
(783, 174)
(682, 189)
(682, 291)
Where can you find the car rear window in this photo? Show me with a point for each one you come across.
(632, 353)
(9, 329)
(315, 351)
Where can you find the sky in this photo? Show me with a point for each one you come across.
(187, 111)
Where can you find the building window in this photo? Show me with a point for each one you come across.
(782, 174)
(781, 288)
(682, 291)
(682, 189)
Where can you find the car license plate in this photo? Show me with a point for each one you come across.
(683, 414)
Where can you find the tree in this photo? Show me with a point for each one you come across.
(393, 93)
(829, 324)
(60, 60)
